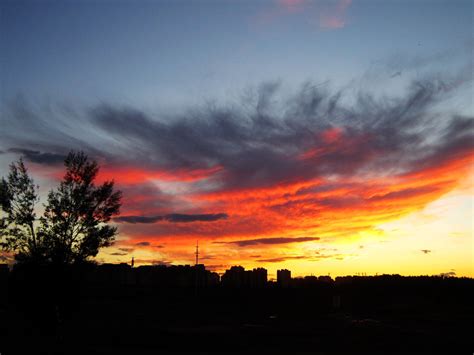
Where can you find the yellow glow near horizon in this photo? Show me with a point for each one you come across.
(434, 240)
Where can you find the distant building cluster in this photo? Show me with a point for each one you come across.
(237, 277)
(177, 276)
(153, 275)
(183, 276)
(196, 276)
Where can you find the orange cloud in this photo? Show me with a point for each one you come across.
(306, 211)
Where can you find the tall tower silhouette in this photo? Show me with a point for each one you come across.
(197, 252)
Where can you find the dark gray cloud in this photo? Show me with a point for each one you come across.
(140, 244)
(39, 157)
(138, 219)
(268, 137)
(184, 218)
(257, 148)
(173, 217)
(143, 244)
(250, 242)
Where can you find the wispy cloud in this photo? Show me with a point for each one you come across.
(133, 246)
(143, 244)
(39, 157)
(267, 241)
(118, 254)
(281, 259)
(174, 218)
(138, 219)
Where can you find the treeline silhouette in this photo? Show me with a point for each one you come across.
(120, 309)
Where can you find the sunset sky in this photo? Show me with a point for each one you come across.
(326, 137)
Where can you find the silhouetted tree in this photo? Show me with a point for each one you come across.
(18, 197)
(74, 224)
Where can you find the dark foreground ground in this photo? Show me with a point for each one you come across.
(131, 320)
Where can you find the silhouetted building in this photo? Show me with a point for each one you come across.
(234, 277)
(283, 278)
(175, 276)
(238, 277)
(111, 274)
(257, 278)
(214, 279)
(326, 279)
(310, 280)
(205, 278)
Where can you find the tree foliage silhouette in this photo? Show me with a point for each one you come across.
(18, 197)
(74, 225)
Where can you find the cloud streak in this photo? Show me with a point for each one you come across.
(143, 244)
(271, 241)
(173, 218)
(39, 157)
